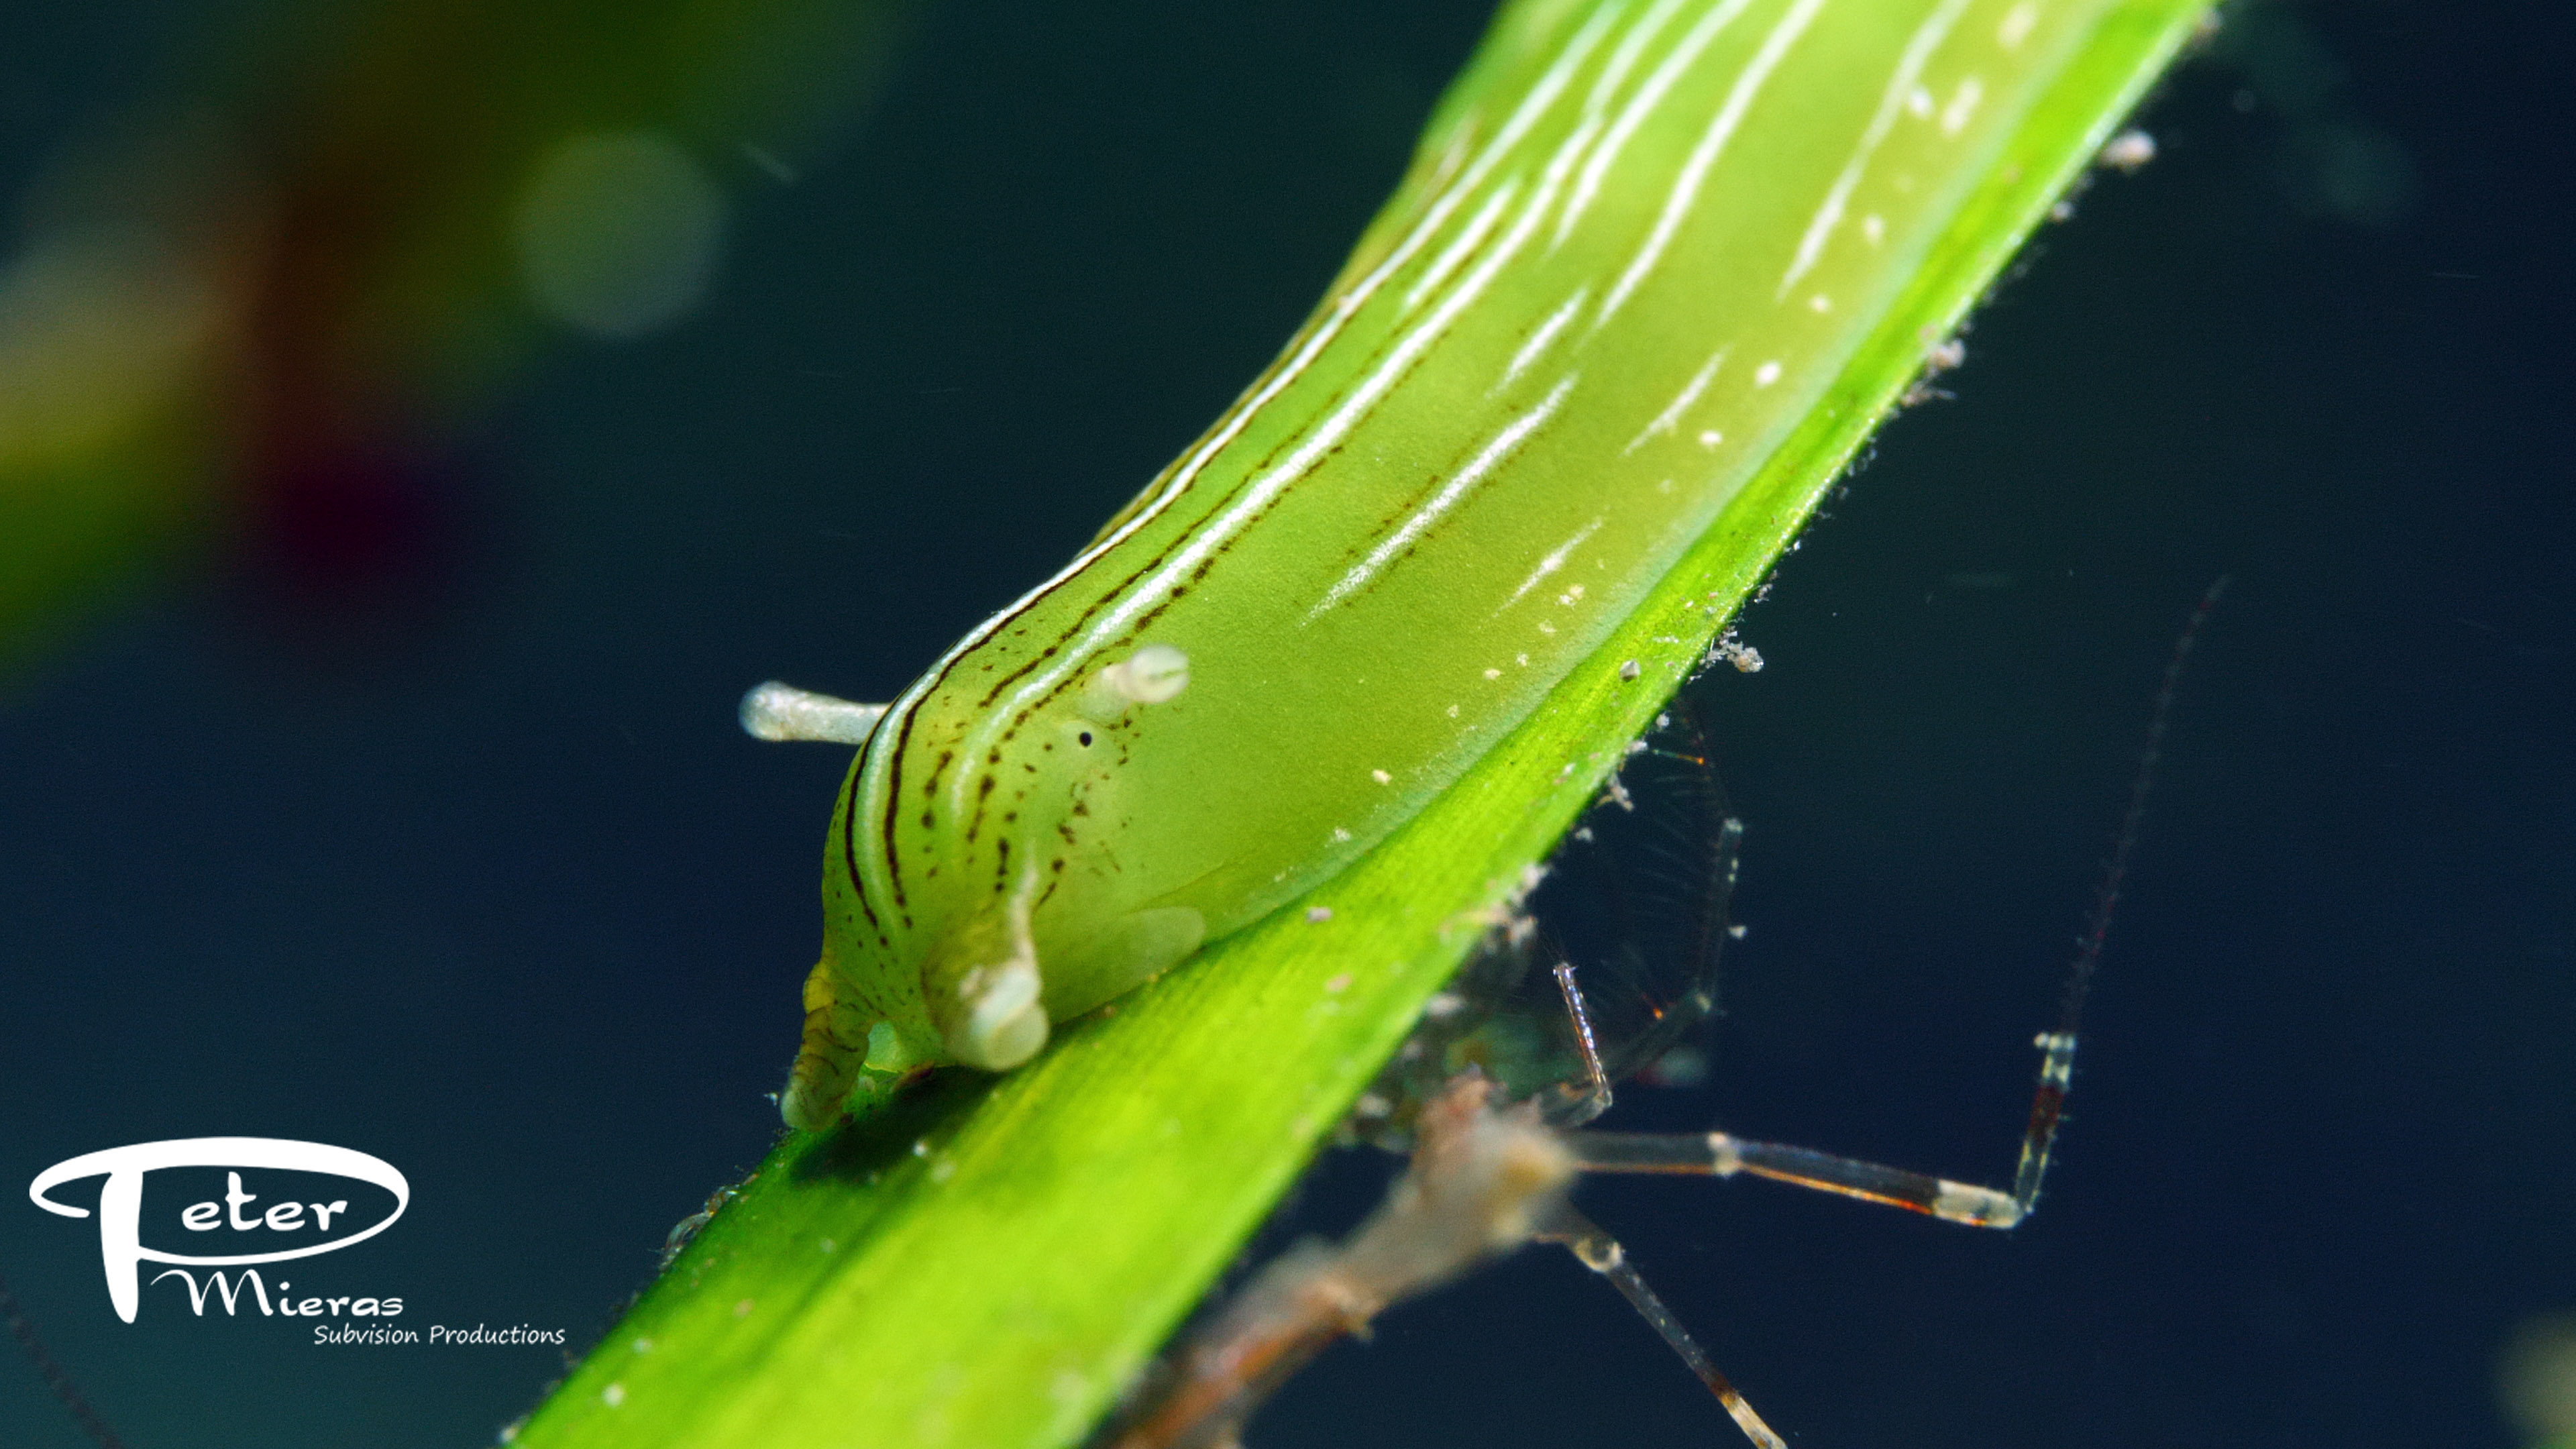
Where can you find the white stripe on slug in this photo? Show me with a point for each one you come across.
(1671, 417)
(1624, 56)
(1555, 560)
(1677, 202)
(1452, 256)
(1504, 444)
(1650, 95)
(1891, 103)
(1539, 339)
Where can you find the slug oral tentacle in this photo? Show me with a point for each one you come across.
(775, 711)
(1002, 1020)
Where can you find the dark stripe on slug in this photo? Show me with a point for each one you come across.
(894, 799)
(983, 792)
(1064, 636)
(1169, 485)
(850, 847)
(1145, 500)
(1287, 443)
(1145, 620)
(1105, 598)
(1394, 523)
(1172, 545)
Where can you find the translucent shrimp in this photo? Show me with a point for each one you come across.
(1489, 1174)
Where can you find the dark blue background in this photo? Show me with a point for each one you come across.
(491, 887)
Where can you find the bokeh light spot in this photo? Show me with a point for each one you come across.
(618, 234)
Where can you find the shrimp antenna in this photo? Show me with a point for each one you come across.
(1720, 1154)
(2057, 1047)
(56, 1378)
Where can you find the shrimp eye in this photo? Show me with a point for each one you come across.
(1084, 739)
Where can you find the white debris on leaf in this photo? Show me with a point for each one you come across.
(2128, 151)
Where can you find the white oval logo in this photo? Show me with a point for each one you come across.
(120, 1202)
